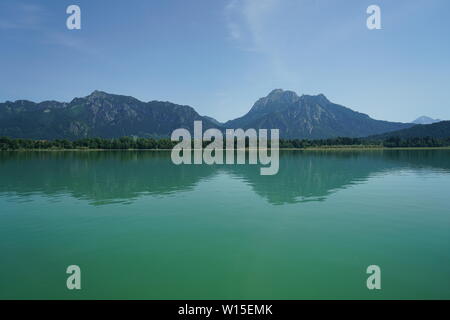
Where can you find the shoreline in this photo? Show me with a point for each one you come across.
(330, 148)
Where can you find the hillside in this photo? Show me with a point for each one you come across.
(98, 115)
(435, 130)
(310, 117)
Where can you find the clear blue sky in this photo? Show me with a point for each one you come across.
(219, 56)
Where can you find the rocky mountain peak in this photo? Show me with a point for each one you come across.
(425, 120)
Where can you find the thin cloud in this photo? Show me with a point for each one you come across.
(245, 21)
(250, 25)
(22, 17)
(35, 19)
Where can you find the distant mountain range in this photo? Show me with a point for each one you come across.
(425, 120)
(107, 115)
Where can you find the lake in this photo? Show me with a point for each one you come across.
(141, 227)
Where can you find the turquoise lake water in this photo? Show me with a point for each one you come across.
(141, 227)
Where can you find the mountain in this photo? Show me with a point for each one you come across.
(434, 130)
(425, 120)
(216, 122)
(98, 115)
(310, 117)
(105, 115)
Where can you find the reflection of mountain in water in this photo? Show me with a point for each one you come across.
(313, 175)
(105, 177)
(99, 176)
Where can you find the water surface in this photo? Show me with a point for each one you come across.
(141, 227)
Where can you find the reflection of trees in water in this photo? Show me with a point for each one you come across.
(99, 176)
(425, 158)
(104, 177)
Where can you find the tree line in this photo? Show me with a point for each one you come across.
(396, 142)
(165, 143)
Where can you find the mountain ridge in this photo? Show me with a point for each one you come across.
(99, 114)
(106, 115)
(437, 130)
(311, 117)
